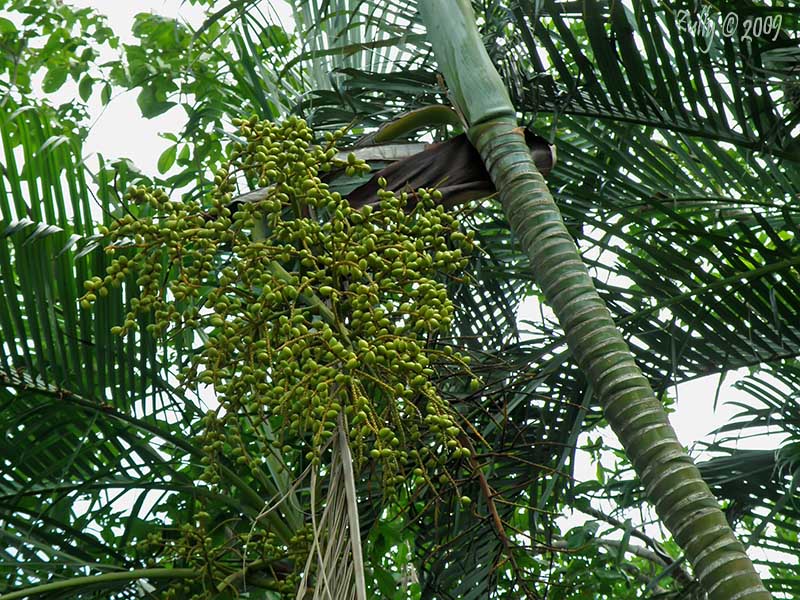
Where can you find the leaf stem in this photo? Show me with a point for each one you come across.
(100, 579)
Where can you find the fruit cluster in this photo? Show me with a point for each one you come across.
(308, 315)
(309, 309)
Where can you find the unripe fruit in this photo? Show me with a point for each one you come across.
(329, 313)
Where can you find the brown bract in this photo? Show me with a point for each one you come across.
(453, 167)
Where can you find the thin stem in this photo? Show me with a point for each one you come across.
(93, 580)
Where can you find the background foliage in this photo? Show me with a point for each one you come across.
(677, 175)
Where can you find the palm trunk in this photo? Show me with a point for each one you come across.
(672, 482)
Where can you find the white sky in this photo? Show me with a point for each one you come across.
(118, 130)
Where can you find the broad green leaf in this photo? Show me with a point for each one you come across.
(105, 94)
(85, 87)
(54, 79)
(167, 158)
(7, 26)
(151, 102)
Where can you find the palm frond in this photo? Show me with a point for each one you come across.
(642, 65)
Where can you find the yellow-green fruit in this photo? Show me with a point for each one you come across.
(309, 312)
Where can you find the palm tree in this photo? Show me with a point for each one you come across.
(672, 482)
(654, 169)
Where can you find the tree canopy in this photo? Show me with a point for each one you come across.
(677, 176)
